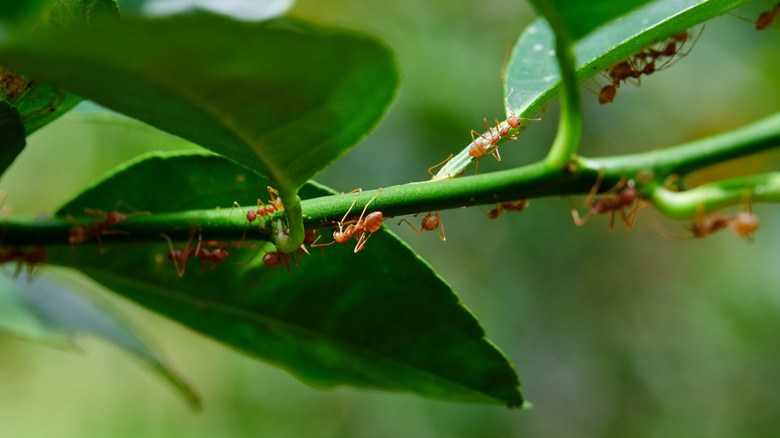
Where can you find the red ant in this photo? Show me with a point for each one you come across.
(742, 224)
(33, 258)
(479, 146)
(277, 258)
(83, 232)
(274, 205)
(361, 229)
(618, 198)
(180, 257)
(765, 19)
(508, 206)
(431, 222)
(513, 121)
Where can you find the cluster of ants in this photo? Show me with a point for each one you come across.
(648, 61)
(625, 196)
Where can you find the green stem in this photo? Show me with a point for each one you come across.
(567, 139)
(289, 236)
(718, 195)
(684, 159)
(530, 181)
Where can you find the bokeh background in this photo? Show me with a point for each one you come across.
(613, 333)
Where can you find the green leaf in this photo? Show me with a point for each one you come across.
(338, 318)
(12, 135)
(283, 97)
(39, 103)
(46, 312)
(532, 73)
(579, 18)
(13, 11)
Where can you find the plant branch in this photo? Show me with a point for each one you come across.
(567, 139)
(531, 181)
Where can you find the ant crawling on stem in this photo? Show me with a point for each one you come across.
(643, 63)
(83, 232)
(618, 198)
(481, 146)
(181, 257)
(33, 258)
(507, 206)
(362, 228)
(274, 205)
(431, 222)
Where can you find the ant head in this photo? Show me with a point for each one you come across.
(343, 237)
(219, 255)
(251, 215)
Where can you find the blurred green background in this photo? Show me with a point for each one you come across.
(613, 333)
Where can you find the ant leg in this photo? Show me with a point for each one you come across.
(415, 229)
(236, 204)
(433, 167)
(593, 190)
(315, 244)
(579, 221)
(283, 257)
(480, 135)
(341, 222)
(441, 225)
(179, 271)
(367, 204)
(495, 154)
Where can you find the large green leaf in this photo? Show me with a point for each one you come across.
(12, 138)
(581, 17)
(47, 312)
(532, 73)
(379, 319)
(283, 97)
(37, 102)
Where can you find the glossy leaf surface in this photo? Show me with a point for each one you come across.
(283, 97)
(378, 319)
(532, 73)
(46, 312)
(581, 17)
